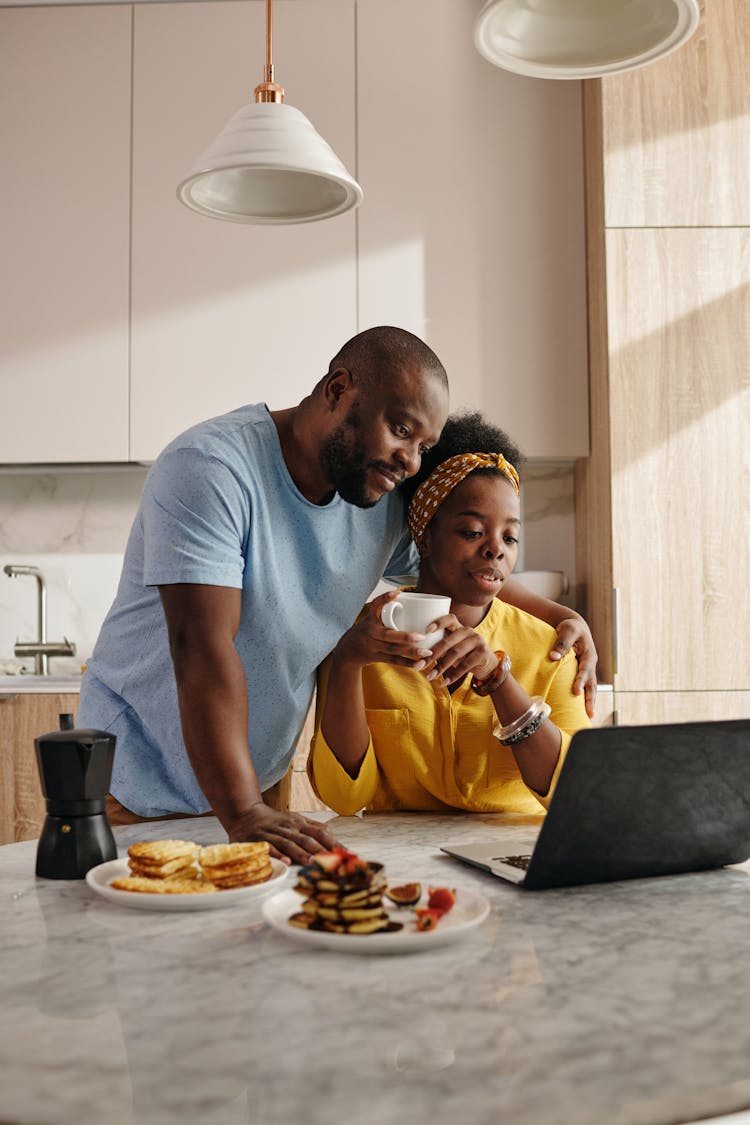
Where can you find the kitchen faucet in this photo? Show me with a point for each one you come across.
(41, 649)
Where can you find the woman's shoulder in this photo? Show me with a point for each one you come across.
(512, 621)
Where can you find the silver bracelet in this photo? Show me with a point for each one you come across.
(525, 725)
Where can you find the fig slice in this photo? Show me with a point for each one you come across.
(408, 894)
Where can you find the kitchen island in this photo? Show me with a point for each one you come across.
(617, 1004)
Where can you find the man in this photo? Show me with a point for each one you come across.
(258, 537)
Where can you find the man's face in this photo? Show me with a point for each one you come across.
(382, 437)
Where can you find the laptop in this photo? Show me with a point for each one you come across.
(632, 802)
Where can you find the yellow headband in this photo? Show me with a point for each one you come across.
(440, 483)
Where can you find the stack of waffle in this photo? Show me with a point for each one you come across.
(227, 866)
(343, 894)
(163, 867)
(179, 867)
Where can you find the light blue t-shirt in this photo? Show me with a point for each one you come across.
(220, 508)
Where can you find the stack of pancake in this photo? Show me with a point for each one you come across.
(343, 895)
(227, 866)
(163, 867)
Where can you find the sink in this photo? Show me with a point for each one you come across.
(38, 685)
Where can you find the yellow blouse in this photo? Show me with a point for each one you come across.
(431, 750)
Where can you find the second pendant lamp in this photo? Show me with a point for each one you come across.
(582, 38)
(268, 164)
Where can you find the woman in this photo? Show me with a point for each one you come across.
(483, 721)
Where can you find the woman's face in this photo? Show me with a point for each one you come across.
(471, 546)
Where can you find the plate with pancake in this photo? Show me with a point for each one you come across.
(470, 910)
(100, 878)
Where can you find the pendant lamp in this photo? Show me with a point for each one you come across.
(581, 38)
(269, 165)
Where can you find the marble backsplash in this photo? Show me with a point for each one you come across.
(74, 523)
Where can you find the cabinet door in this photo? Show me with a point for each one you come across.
(22, 719)
(471, 233)
(677, 135)
(226, 313)
(679, 356)
(64, 232)
(636, 708)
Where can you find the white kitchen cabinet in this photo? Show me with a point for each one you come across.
(127, 317)
(471, 233)
(226, 313)
(65, 233)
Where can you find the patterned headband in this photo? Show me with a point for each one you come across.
(440, 483)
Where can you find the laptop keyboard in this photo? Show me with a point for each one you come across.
(521, 861)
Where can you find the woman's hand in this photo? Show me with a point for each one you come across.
(461, 652)
(574, 633)
(369, 642)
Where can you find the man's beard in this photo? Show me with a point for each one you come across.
(345, 463)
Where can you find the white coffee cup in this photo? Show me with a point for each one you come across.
(412, 613)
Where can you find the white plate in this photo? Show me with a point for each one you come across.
(99, 878)
(470, 910)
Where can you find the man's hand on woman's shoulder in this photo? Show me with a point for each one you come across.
(574, 633)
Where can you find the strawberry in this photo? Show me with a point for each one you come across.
(441, 899)
(427, 919)
(327, 861)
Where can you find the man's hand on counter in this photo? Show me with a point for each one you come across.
(293, 838)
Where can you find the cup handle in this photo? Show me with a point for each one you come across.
(388, 612)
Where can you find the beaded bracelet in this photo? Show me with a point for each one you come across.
(495, 679)
(526, 724)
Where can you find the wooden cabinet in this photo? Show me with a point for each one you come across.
(471, 233)
(663, 507)
(22, 719)
(227, 313)
(64, 232)
(676, 134)
(680, 706)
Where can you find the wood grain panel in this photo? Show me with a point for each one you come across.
(677, 133)
(593, 493)
(680, 706)
(22, 719)
(679, 377)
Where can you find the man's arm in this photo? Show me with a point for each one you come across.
(202, 622)
(572, 632)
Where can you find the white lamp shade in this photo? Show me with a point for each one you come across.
(581, 38)
(269, 165)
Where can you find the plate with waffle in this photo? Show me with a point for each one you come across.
(342, 902)
(182, 875)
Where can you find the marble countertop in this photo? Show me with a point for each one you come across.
(618, 1004)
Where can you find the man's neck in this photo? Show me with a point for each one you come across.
(298, 441)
